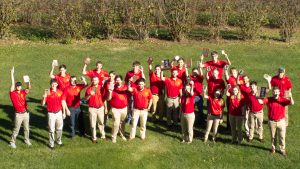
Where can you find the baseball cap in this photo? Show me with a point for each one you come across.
(18, 84)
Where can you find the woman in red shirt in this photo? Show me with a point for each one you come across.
(215, 109)
(235, 100)
(187, 113)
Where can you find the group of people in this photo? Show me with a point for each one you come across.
(175, 97)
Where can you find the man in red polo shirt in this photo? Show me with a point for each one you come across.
(197, 77)
(180, 69)
(118, 100)
(173, 92)
(97, 108)
(284, 84)
(98, 72)
(57, 111)
(131, 77)
(256, 113)
(157, 89)
(18, 99)
(142, 103)
(63, 78)
(276, 113)
(216, 64)
(72, 98)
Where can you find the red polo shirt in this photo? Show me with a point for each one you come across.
(213, 85)
(187, 104)
(276, 107)
(215, 106)
(173, 87)
(101, 75)
(19, 100)
(54, 100)
(181, 72)
(156, 84)
(62, 81)
(119, 98)
(220, 64)
(105, 88)
(96, 99)
(233, 82)
(245, 91)
(255, 106)
(72, 95)
(141, 98)
(235, 106)
(284, 84)
(198, 80)
(131, 74)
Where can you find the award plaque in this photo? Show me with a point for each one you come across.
(54, 63)
(26, 78)
(262, 92)
(226, 67)
(165, 64)
(150, 60)
(134, 78)
(205, 52)
(241, 71)
(87, 60)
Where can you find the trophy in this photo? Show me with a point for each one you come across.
(226, 67)
(176, 58)
(205, 52)
(241, 71)
(267, 77)
(54, 63)
(150, 60)
(262, 92)
(87, 60)
(223, 52)
(26, 79)
(165, 64)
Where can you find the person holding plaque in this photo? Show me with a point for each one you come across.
(276, 114)
(181, 69)
(98, 71)
(18, 99)
(63, 78)
(256, 112)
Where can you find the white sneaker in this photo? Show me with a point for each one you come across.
(28, 143)
(114, 141)
(12, 145)
(124, 138)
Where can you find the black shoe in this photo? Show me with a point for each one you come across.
(61, 145)
(52, 148)
(261, 140)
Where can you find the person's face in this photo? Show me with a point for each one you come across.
(174, 73)
(54, 85)
(157, 70)
(215, 74)
(217, 94)
(235, 91)
(95, 81)
(136, 68)
(62, 70)
(276, 92)
(281, 74)
(215, 57)
(234, 72)
(195, 72)
(118, 81)
(141, 85)
(246, 79)
(180, 63)
(73, 81)
(253, 88)
(112, 76)
(19, 88)
(99, 66)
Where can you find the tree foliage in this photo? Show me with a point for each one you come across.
(7, 16)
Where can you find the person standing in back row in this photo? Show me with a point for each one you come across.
(63, 78)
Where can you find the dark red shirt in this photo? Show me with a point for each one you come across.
(245, 91)
(187, 104)
(220, 64)
(96, 99)
(54, 100)
(119, 98)
(276, 107)
(213, 85)
(233, 82)
(284, 84)
(101, 75)
(255, 106)
(141, 98)
(181, 72)
(235, 106)
(173, 87)
(19, 100)
(72, 95)
(198, 80)
(156, 84)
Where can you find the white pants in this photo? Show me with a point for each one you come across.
(55, 124)
(142, 115)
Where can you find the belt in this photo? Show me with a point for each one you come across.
(95, 107)
(141, 109)
(22, 112)
(277, 120)
(173, 97)
(257, 112)
(55, 112)
(215, 115)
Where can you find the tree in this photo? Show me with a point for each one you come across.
(7, 16)
(180, 16)
(251, 16)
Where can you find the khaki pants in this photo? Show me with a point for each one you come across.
(55, 124)
(212, 121)
(157, 106)
(97, 115)
(259, 116)
(136, 115)
(278, 128)
(19, 119)
(118, 118)
(246, 117)
(286, 115)
(187, 124)
(172, 110)
(236, 123)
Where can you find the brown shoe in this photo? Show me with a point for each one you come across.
(249, 140)
(272, 151)
(94, 141)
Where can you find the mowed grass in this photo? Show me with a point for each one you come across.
(162, 148)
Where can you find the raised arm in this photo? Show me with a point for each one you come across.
(227, 90)
(226, 72)
(84, 69)
(12, 86)
(45, 97)
(142, 70)
(205, 92)
(207, 71)
(51, 75)
(227, 58)
(162, 76)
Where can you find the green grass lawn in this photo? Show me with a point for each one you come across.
(162, 148)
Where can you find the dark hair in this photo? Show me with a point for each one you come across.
(63, 66)
(157, 66)
(194, 69)
(136, 63)
(276, 88)
(18, 84)
(180, 59)
(141, 80)
(172, 70)
(53, 81)
(213, 53)
(253, 83)
(233, 68)
(72, 77)
(119, 76)
(112, 72)
(98, 62)
(95, 77)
